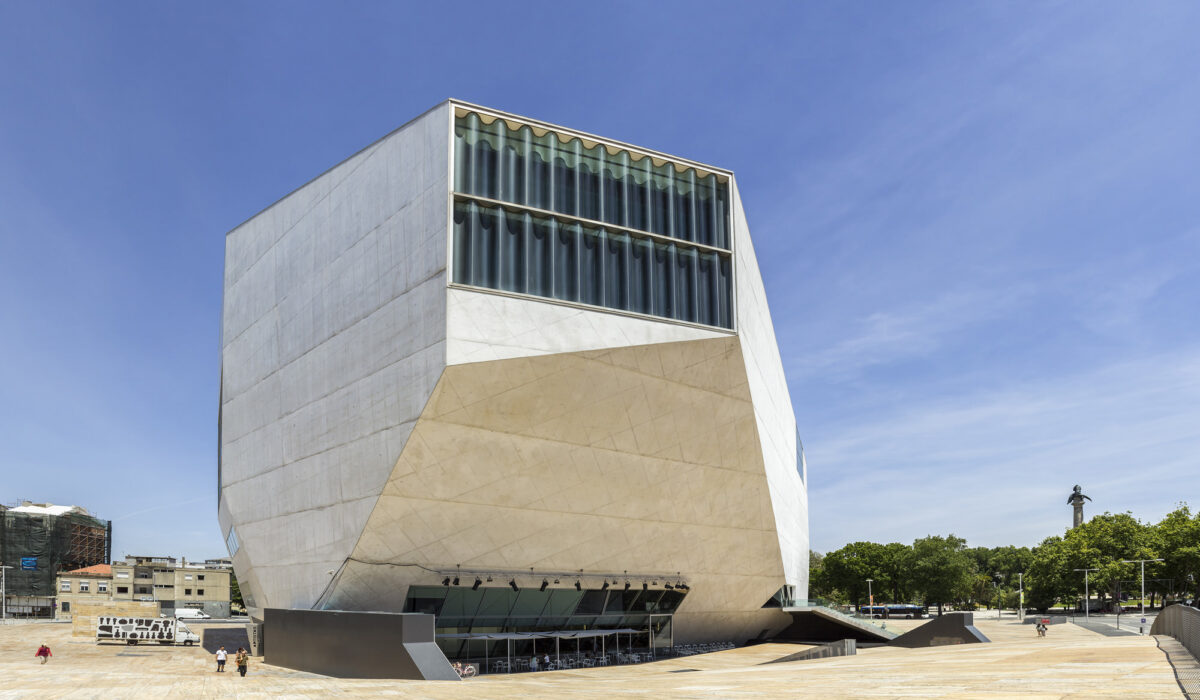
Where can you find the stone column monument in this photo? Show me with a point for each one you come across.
(1076, 501)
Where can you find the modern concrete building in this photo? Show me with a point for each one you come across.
(515, 375)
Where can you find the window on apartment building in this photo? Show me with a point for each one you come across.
(199, 591)
(187, 591)
(122, 589)
(102, 586)
(122, 574)
(83, 586)
(65, 586)
(199, 577)
(187, 577)
(66, 606)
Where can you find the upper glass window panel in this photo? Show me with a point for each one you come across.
(534, 167)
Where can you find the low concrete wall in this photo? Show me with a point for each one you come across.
(1181, 622)
(1033, 619)
(347, 644)
(842, 647)
(951, 628)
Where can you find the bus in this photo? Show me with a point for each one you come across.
(907, 610)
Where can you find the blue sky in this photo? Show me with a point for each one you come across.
(978, 223)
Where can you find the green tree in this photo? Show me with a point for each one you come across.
(844, 572)
(1047, 581)
(942, 569)
(1179, 538)
(235, 591)
(1102, 543)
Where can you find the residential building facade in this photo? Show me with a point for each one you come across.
(90, 584)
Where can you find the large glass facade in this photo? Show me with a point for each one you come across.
(633, 235)
(462, 609)
(525, 253)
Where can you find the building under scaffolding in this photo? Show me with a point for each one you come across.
(38, 540)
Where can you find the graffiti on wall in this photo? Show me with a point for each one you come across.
(147, 628)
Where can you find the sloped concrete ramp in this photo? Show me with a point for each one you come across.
(820, 624)
(951, 628)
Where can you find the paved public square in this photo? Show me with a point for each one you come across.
(1071, 662)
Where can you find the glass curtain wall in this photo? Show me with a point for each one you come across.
(524, 253)
(515, 250)
(461, 609)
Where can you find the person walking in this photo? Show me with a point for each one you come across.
(221, 656)
(44, 652)
(242, 659)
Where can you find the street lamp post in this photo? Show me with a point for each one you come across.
(4, 592)
(1021, 586)
(1142, 605)
(870, 598)
(1143, 563)
(1087, 603)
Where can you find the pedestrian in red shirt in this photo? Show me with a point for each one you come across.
(44, 652)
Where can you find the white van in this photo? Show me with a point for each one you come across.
(191, 614)
(185, 636)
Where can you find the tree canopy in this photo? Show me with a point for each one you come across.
(937, 570)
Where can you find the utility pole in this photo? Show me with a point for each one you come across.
(4, 592)
(1021, 586)
(1087, 603)
(1143, 563)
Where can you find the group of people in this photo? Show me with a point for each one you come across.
(1041, 629)
(241, 658)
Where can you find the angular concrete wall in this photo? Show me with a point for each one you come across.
(332, 341)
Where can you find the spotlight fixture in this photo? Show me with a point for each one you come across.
(605, 586)
(626, 585)
(477, 582)
(446, 581)
(489, 579)
(513, 583)
(578, 586)
(544, 584)
(668, 586)
(645, 586)
(556, 580)
(455, 581)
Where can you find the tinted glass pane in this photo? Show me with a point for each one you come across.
(515, 251)
(592, 603)
(562, 174)
(670, 601)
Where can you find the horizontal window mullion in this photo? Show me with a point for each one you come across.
(592, 222)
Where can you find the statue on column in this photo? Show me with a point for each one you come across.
(1076, 500)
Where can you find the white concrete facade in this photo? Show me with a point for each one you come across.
(382, 427)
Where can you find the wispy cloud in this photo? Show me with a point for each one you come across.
(995, 466)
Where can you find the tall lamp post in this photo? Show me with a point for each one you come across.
(870, 598)
(4, 592)
(1143, 563)
(1021, 586)
(1087, 603)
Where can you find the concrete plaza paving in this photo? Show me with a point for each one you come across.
(1070, 662)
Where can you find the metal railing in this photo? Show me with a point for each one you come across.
(1182, 623)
